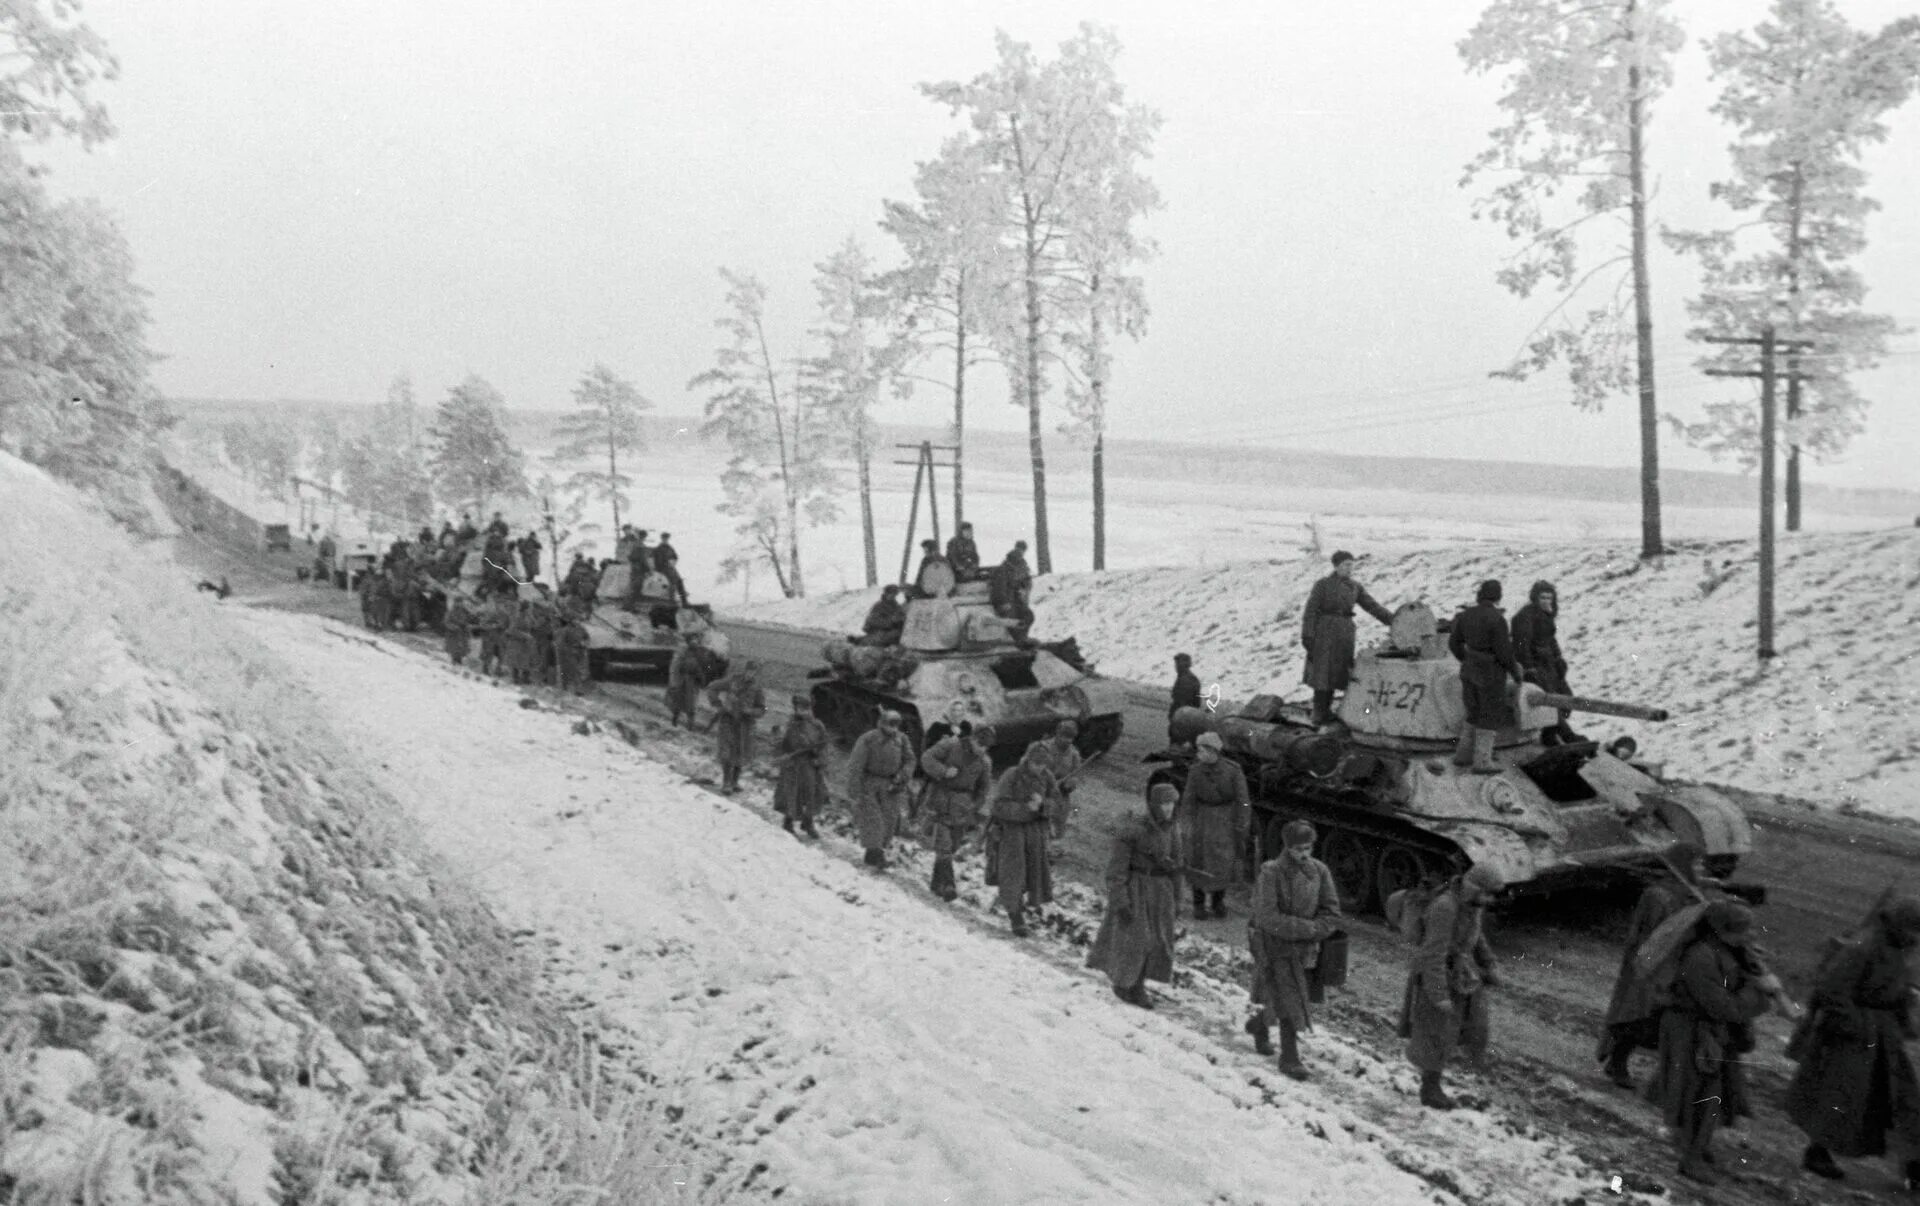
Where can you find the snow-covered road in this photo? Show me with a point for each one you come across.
(829, 1025)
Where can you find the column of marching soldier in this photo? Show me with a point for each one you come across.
(1855, 1092)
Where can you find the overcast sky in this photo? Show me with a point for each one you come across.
(321, 195)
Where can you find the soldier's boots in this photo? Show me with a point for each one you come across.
(1290, 1064)
(806, 827)
(1463, 748)
(786, 823)
(1483, 763)
(1262, 1034)
(1819, 1161)
(1617, 1070)
(1431, 1094)
(943, 884)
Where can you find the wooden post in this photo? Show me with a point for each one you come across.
(913, 519)
(1766, 492)
(933, 495)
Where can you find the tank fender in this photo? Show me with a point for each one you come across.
(1502, 849)
(1699, 814)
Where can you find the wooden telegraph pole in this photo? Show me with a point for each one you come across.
(1769, 344)
(924, 464)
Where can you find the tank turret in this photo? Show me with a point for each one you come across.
(954, 649)
(1393, 807)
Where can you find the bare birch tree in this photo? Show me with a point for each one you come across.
(1042, 128)
(777, 470)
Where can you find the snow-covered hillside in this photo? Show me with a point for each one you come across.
(1829, 719)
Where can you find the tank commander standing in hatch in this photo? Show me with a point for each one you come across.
(964, 555)
(1536, 643)
(1326, 630)
(885, 621)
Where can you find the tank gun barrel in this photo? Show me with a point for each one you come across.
(1314, 753)
(1535, 697)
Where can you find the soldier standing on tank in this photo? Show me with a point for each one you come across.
(801, 790)
(1633, 1014)
(1326, 631)
(1480, 640)
(499, 527)
(1186, 690)
(929, 557)
(886, 619)
(964, 555)
(666, 561)
(1062, 761)
(740, 703)
(878, 771)
(1856, 1087)
(959, 776)
(1452, 969)
(1010, 585)
(467, 530)
(1213, 820)
(1295, 909)
(1016, 839)
(1135, 942)
(639, 564)
(1536, 645)
(1718, 991)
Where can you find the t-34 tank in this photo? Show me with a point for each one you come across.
(1392, 807)
(954, 648)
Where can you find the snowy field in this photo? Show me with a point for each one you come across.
(1152, 521)
(857, 1041)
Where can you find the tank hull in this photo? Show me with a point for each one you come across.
(1392, 811)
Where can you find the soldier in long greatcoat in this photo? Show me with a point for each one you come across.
(740, 703)
(878, 772)
(959, 776)
(518, 643)
(456, 628)
(1633, 1016)
(801, 790)
(492, 625)
(1295, 909)
(1212, 820)
(1718, 992)
(1856, 1087)
(1452, 967)
(1326, 631)
(1016, 840)
(1186, 689)
(1480, 640)
(687, 677)
(1062, 760)
(570, 644)
(1135, 942)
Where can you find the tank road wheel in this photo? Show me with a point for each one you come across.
(1399, 867)
(1347, 856)
(597, 664)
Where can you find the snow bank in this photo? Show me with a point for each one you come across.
(232, 974)
(1828, 719)
(848, 1038)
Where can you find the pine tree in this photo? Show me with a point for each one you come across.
(777, 470)
(605, 422)
(1807, 94)
(473, 461)
(1582, 76)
